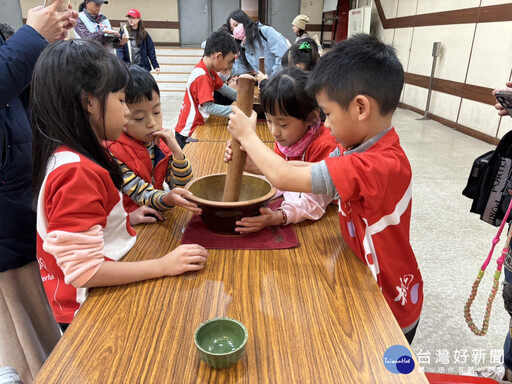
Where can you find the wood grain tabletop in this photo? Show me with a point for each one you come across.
(314, 313)
(215, 129)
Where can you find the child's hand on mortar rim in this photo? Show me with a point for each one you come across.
(176, 197)
(267, 218)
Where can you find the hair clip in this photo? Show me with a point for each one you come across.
(305, 46)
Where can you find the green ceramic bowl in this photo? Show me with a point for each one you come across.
(221, 341)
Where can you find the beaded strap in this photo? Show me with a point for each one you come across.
(492, 295)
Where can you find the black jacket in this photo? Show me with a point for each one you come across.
(147, 53)
(17, 220)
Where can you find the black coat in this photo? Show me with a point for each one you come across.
(147, 53)
(17, 219)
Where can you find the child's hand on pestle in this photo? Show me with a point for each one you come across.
(240, 126)
(249, 164)
(167, 136)
(176, 197)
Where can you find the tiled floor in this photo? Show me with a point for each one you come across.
(450, 244)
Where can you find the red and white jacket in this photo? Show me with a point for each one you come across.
(375, 213)
(200, 87)
(80, 224)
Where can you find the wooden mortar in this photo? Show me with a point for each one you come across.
(244, 101)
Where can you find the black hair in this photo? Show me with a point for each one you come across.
(361, 65)
(301, 32)
(6, 30)
(81, 7)
(65, 74)
(305, 52)
(285, 94)
(220, 41)
(252, 32)
(142, 86)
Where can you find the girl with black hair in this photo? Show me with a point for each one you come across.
(293, 117)
(78, 101)
(140, 49)
(303, 54)
(256, 40)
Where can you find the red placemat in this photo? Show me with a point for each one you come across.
(275, 237)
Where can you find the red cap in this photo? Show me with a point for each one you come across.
(133, 13)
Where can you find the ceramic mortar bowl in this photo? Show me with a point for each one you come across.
(220, 216)
(221, 341)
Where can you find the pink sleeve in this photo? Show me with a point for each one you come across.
(304, 206)
(78, 254)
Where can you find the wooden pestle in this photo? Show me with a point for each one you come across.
(235, 171)
(261, 64)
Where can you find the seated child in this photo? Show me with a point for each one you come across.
(78, 101)
(147, 154)
(358, 85)
(293, 117)
(198, 102)
(303, 55)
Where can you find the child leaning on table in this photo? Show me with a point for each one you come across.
(358, 85)
(78, 100)
(198, 102)
(293, 117)
(148, 155)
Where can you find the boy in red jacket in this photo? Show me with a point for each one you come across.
(358, 85)
(149, 156)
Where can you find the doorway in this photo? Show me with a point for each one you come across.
(199, 18)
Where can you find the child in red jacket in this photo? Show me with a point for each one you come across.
(293, 117)
(358, 85)
(151, 160)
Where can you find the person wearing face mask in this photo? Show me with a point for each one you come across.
(256, 40)
(94, 25)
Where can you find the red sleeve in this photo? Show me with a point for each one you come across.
(75, 199)
(359, 177)
(322, 148)
(202, 90)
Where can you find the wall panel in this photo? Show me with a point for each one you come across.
(474, 58)
(456, 48)
(431, 6)
(491, 60)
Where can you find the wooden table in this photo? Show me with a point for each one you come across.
(215, 129)
(314, 313)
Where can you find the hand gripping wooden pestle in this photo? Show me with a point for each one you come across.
(235, 171)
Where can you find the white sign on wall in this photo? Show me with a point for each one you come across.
(359, 20)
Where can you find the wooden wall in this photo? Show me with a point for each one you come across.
(476, 58)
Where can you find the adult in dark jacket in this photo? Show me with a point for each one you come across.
(140, 49)
(27, 329)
